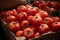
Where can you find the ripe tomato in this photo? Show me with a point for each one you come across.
(37, 20)
(48, 21)
(31, 10)
(36, 3)
(4, 13)
(34, 28)
(21, 8)
(56, 26)
(30, 19)
(12, 12)
(19, 33)
(24, 24)
(22, 16)
(28, 33)
(51, 4)
(28, 6)
(43, 14)
(37, 35)
(14, 26)
(43, 28)
(55, 19)
(10, 18)
(42, 5)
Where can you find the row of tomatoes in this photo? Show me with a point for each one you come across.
(47, 5)
(30, 21)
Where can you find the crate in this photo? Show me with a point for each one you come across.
(46, 36)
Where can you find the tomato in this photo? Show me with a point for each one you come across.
(34, 28)
(30, 19)
(48, 21)
(37, 20)
(28, 6)
(37, 35)
(36, 3)
(55, 19)
(51, 4)
(22, 16)
(43, 14)
(19, 33)
(31, 10)
(28, 33)
(14, 26)
(42, 5)
(10, 18)
(24, 24)
(4, 13)
(21, 8)
(12, 12)
(43, 28)
(56, 26)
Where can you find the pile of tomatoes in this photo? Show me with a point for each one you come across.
(30, 22)
(47, 5)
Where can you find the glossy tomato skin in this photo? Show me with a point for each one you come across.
(12, 12)
(22, 16)
(56, 26)
(48, 21)
(43, 14)
(10, 18)
(14, 26)
(28, 6)
(19, 33)
(21, 8)
(33, 10)
(24, 24)
(30, 19)
(28, 33)
(34, 28)
(36, 3)
(55, 19)
(37, 35)
(37, 20)
(43, 28)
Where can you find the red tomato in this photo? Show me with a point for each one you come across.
(37, 20)
(56, 26)
(12, 12)
(42, 5)
(28, 6)
(37, 35)
(51, 4)
(43, 14)
(48, 21)
(24, 24)
(30, 19)
(22, 16)
(10, 18)
(36, 3)
(19, 33)
(4, 13)
(28, 33)
(55, 19)
(31, 10)
(14, 26)
(21, 8)
(43, 28)
(34, 28)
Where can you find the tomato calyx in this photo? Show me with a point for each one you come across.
(28, 32)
